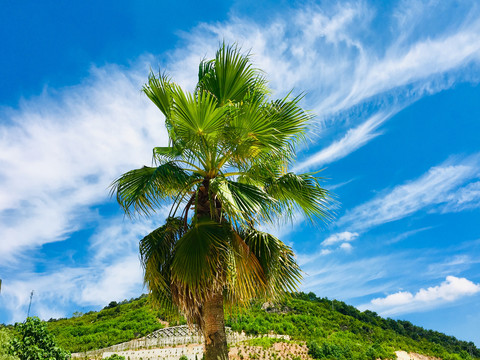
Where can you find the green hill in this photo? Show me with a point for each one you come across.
(339, 333)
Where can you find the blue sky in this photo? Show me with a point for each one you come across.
(395, 89)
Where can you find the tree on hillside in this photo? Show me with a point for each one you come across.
(5, 338)
(225, 172)
(34, 342)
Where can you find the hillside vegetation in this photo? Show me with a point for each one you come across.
(339, 333)
(113, 324)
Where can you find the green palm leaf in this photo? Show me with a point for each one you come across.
(162, 154)
(288, 118)
(199, 257)
(230, 77)
(282, 273)
(302, 192)
(242, 203)
(246, 276)
(159, 90)
(196, 117)
(156, 254)
(143, 189)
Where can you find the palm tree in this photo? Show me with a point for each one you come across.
(224, 173)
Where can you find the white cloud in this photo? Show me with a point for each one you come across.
(346, 246)
(344, 238)
(113, 282)
(400, 298)
(467, 197)
(435, 187)
(351, 278)
(60, 151)
(322, 51)
(351, 141)
(112, 272)
(340, 237)
(406, 235)
(325, 251)
(452, 289)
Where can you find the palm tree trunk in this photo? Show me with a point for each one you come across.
(214, 330)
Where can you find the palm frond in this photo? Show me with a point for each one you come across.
(141, 190)
(156, 253)
(242, 203)
(302, 192)
(260, 131)
(230, 77)
(287, 119)
(163, 154)
(197, 120)
(205, 69)
(158, 89)
(199, 257)
(282, 272)
(245, 275)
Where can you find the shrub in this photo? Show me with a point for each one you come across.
(4, 342)
(328, 351)
(116, 357)
(377, 351)
(34, 342)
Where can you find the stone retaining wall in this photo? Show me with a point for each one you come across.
(170, 341)
(192, 352)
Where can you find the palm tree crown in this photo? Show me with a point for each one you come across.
(225, 172)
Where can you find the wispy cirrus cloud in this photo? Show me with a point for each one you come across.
(467, 197)
(351, 141)
(60, 151)
(452, 289)
(443, 184)
(112, 272)
(322, 50)
(454, 264)
(329, 274)
(407, 234)
(341, 240)
(350, 83)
